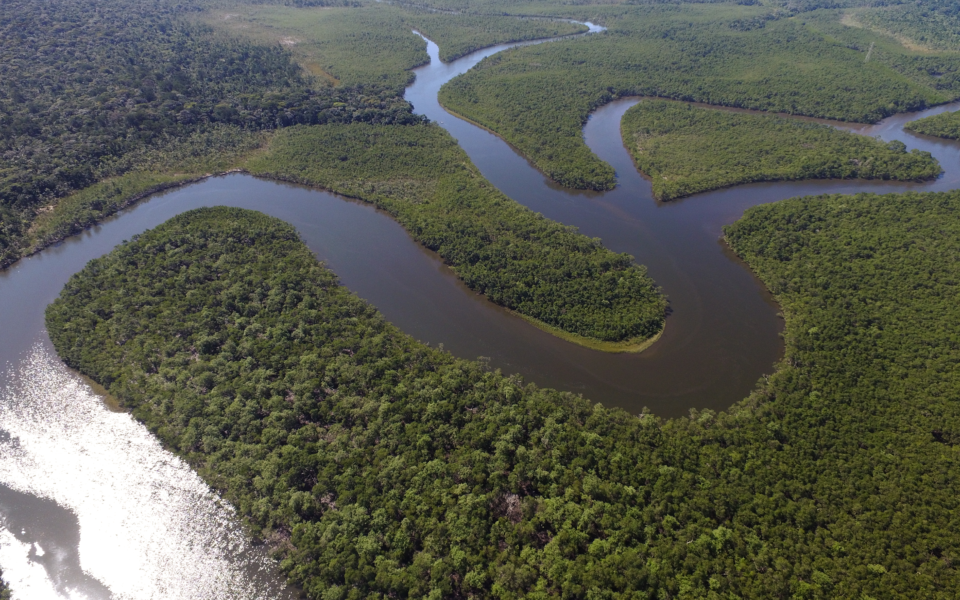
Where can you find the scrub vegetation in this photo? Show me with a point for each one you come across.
(685, 150)
(944, 125)
(374, 44)
(515, 257)
(378, 467)
(538, 98)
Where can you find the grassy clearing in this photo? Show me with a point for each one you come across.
(374, 44)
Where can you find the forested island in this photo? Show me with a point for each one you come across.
(379, 466)
(685, 150)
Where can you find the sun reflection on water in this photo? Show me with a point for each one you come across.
(145, 525)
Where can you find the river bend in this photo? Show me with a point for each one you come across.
(92, 507)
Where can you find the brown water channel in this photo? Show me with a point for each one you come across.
(92, 507)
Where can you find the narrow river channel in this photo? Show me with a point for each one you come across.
(92, 507)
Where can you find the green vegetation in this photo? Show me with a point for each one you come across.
(685, 150)
(930, 25)
(944, 125)
(4, 590)
(539, 97)
(93, 93)
(375, 44)
(376, 466)
(515, 257)
(159, 92)
(353, 46)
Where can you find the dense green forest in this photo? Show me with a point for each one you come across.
(378, 467)
(515, 257)
(685, 150)
(94, 91)
(168, 90)
(539, 97)
(945, 125)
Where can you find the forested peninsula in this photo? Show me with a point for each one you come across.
(543, 270)
(685, 150)
(944, 125)
(376, 466)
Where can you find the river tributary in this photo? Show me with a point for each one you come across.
(92, 507)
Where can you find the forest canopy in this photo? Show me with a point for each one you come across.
(945, 125)
(515, 257)
(539, 97)
(686, 150)
(376, 466)
(139, 91)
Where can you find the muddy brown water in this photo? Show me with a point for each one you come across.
(92, 507)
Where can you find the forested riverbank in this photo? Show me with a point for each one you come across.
(136, 92)
(944, 125)
(375, 465)
(685, 150)
(804, 63)
(516, 258)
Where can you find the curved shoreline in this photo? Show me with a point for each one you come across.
(630, 346)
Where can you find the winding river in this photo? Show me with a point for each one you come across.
(92, 507)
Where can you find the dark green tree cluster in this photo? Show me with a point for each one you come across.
(538, 98)
(945, 125)
(685, 150)
(92, 91)
(377, 467)
(517, 258)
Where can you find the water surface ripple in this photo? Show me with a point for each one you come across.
(92, 507)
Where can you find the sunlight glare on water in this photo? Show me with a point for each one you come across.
(149, 527)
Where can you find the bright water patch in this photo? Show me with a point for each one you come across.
(145, 525)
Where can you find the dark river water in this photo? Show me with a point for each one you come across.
(91, 506)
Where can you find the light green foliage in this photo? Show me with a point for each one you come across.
(457, 35)
(685, 150)
(933, 25)
(368, 45)
(516, 257)
(379, 467)
(375, 44)
(538, 98)
(945, 125)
